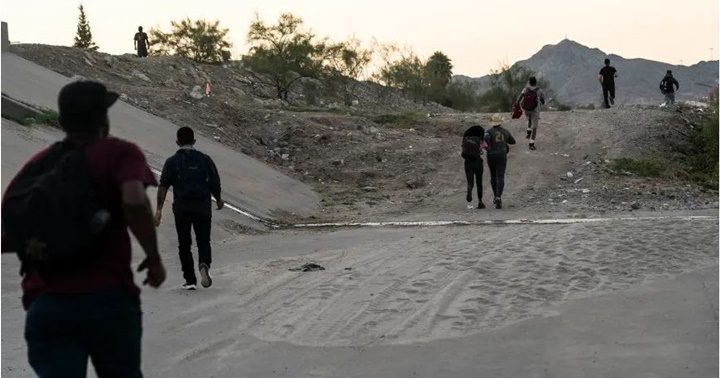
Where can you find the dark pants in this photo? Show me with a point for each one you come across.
(142, 51)
(474, 172)
(64, 330)
(497, 164)
(199, 222)
(608, 89)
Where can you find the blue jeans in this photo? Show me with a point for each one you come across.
(64, 330)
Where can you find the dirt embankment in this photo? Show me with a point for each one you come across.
(369, 165)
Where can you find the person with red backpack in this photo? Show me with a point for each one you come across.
(473, 144)
(530, 100)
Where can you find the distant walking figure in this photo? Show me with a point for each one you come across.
(530, 100)
(472, 150)
(668, 86)
(141, 43)
(607, 80)
(498, 140)
(194, 178)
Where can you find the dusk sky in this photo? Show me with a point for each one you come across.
(476, 35)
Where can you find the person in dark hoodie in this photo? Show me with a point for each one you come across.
(668, 86)
(607, 77)
(473, 144)
(498, 140)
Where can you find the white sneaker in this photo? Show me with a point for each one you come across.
(205, 279)
(188, 286)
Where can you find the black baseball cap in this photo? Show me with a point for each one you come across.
(83, 104)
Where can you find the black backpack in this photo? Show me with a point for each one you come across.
(471, 147)
(193, 177)
(666, 85)
(52, 214)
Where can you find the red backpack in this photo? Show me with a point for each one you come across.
(529, 100)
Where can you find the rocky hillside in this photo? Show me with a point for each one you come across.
(572, 70)
(388, 157)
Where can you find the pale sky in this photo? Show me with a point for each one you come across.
(476, 35)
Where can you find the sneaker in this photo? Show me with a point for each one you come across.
(498, 203)
(189, 286)
(205, 279)
(532, 147)
(468, 197)
(481, 205)
(612, 100)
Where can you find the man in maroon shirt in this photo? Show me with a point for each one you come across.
(93, 311)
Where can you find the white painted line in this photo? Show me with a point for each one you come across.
(270, 224)
(498, 222)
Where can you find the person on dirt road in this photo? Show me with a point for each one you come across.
(141, 42)
(607, 77)
(530, 100)
(668, 86)
(194, 178)
(473, 144)
(71, 235)
(498, 140)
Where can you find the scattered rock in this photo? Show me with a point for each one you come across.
(570, 175)
(197, 93)
(110, 61)
(309, 267)
(140, 76)
(635, 206)
(416, 183)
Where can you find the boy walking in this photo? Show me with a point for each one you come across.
(194, 178)
(607, 77)
(498, 140)
(668, 86)
(472, 149)
(530, 100)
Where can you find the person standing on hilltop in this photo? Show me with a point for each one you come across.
(668, 86)
(141, 43)
(473, 144)
(530, 100)
(498, 140)
(607, 80)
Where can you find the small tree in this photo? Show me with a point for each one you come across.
(83, 37)
(284, 52)
(438, 72)
(406, 73)
(346, 63)
(200, 40)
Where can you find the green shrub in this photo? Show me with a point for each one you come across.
(642, 168)
(399, 119)
(704, 147)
